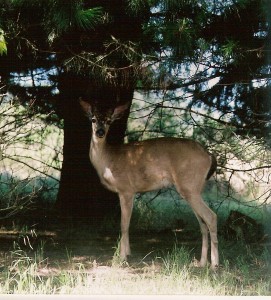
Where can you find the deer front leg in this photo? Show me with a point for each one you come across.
(126, 205)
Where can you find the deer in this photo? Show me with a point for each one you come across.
(152, 164)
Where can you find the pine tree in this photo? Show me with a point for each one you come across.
(102, 50)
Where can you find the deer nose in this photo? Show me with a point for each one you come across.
(100, 133)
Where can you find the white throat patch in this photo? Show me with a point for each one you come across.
(108, 175)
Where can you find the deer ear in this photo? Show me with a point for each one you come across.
(119, 111)
(86, 106)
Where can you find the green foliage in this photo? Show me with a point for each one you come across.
(70, 15)
(229, 49)
(3, 44)
(213, 36)
(180, 44)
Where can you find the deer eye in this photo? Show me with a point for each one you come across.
(108, 122)
(93, 120)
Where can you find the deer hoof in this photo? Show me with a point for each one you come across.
(198, 264)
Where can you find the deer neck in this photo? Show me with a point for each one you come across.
(97, 152)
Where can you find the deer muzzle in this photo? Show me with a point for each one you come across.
(100, 133)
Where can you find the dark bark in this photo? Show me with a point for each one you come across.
(81, 194)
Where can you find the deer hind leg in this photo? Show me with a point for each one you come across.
(126, 204)
(207, 218)
(205, 245)
(207, 221)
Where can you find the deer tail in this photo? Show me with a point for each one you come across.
(213, 167)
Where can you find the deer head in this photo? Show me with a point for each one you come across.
(101, 120)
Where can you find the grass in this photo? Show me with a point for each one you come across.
(30, 267)
(245, 270)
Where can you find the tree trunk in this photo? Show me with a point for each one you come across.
(81, 195)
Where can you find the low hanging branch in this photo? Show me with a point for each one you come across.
(195, 112)
(105, 68)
